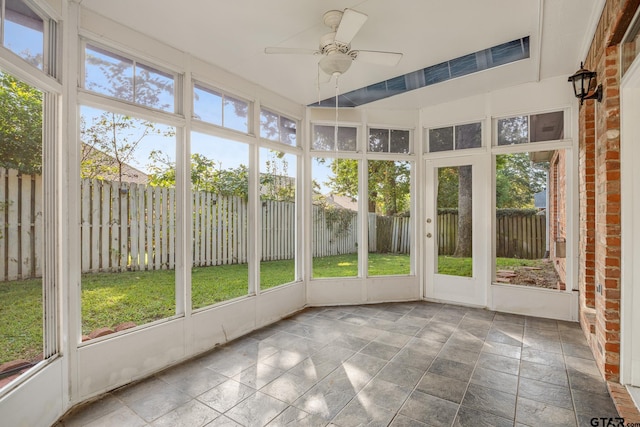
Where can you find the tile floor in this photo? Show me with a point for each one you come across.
(399, 364)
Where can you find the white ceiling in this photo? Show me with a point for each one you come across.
(233, 35)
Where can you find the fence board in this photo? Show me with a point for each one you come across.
(12, 225)
(123, 249)
(24, 231)
(134, 263)
(38, 226)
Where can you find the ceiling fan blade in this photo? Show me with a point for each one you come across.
(349, 26)
(291, 50)
(390, 59)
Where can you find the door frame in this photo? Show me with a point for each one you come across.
(445, 288)
(630, 260)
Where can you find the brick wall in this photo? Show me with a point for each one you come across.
(599, 162)
(587, 191)
(557, 210)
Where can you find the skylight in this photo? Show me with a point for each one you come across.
(501, 54)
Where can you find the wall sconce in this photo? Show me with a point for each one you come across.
(584, 81)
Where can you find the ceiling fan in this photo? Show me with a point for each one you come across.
(335, 46)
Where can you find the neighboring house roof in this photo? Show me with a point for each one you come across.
(344, 202)
(129, 173)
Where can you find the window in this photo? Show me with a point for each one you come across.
(215, 107)
(389, 140)
(458, 137)
(334, 217)
(128, 221)
(278, 217)
(220, 186)
(275, 127)
(531, 128)
(389, 217)
(23, 32)
(531, 218)
(117, 76)
(22, 228)
(325, 138)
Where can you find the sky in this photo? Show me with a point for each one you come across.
(23, 41)
(26, 41)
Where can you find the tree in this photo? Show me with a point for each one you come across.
(466, 137)
(109, 145)
(275, 183)
(21, 125)
(389, 184)
(206, 175)
(110, 141)
(518, 179)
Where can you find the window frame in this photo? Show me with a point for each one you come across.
(223, 94)
(135, 59)
(335, 150)
(50, 42)
(46, 81)
(280, 117)
(390, 130)
(455, 151)
(567, 134)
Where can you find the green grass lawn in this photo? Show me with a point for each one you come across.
(109, 299)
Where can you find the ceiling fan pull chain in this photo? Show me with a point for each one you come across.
(335, 139)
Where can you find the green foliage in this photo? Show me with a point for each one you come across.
(389, 184)
(518, 179)
(338, 220)
(109, 145)
(208, 175)
(21, 125)
(513, 130)
(275, 182)
(500, 213)
(448, 178)
(21, 320)
(455, 266)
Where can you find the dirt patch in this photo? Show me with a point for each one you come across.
(542, 275)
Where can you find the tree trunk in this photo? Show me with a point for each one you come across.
(464, 240)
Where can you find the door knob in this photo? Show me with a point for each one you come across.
(429, 235)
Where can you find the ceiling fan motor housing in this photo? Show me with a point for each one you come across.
(335, 63)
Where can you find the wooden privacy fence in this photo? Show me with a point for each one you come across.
(129, 226)
(518, 235)
(335, 231)
(521, 236)
(389, 234)
(22, 229)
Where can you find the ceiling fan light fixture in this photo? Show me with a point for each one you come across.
(335, 63)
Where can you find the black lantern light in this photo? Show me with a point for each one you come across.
(584, 82)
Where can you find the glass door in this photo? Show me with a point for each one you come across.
(455, 232)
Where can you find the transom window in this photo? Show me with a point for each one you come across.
(531, 128)
(328, 138)
(115, 75)
(23, 32)
(276, 127)
(458, 137)
(216, 107)
(389, 140)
